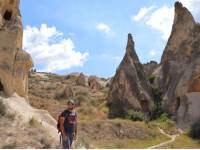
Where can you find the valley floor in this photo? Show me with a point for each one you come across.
(95, 130)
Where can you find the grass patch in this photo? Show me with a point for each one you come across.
(183, 141)
(165, 123)
(128, 143)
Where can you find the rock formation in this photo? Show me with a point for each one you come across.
(94, 83)
(129, 88)
(180, 68)
(150, 67)
(14, 62)
(68, 92)
(81, 80)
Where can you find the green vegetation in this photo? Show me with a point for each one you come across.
(165, 123)
(183, 141)
(156, 110)
(151, 79)
(128, 143)
(116, 108)
(195, 130)
(135, 115)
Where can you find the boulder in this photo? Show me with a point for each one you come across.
(14, 62)
(129, 88)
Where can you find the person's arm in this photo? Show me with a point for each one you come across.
(62, 129)
(75, 129)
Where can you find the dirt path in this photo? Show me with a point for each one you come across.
(172, 139)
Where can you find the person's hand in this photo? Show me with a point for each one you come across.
(74, 136)
(64, 137)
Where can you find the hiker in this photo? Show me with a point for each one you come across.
(68, 125)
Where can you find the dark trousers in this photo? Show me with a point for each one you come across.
(68, 143)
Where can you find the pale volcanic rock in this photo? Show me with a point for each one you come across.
(14, 62)
(129, 88)
(180, 67)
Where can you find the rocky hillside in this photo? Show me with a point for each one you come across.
(22, 126)
(51, 92)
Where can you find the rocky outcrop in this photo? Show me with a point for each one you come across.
(188, 112)
(81, 80)
(14, 62)
(68, 92)
(19, 108)
(95, 83)
(129, 88)
(179, 70)
(150, 67)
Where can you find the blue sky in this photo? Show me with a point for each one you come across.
(90, 36)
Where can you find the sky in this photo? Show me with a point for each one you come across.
(90, 36)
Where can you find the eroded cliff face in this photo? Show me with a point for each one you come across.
(14, 62)
(129, 88)
(180, 68)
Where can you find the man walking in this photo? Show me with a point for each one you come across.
(68, 125)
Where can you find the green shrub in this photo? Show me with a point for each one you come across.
(116, 108)
(195, 130)
(2, 109)
(151, 79)
(163, 118)
(156, 111)
(135, 115)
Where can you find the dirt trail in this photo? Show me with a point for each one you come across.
(172, 139)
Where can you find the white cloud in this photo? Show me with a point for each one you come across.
(142, 12)
(50, 51)
(162, 20)
(103, 27)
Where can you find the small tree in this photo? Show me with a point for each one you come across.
(156, 109)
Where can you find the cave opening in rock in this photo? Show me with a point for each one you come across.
(1, 88)
(7, 15)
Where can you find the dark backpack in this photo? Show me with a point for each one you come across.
(66, 112)
(58, 122)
